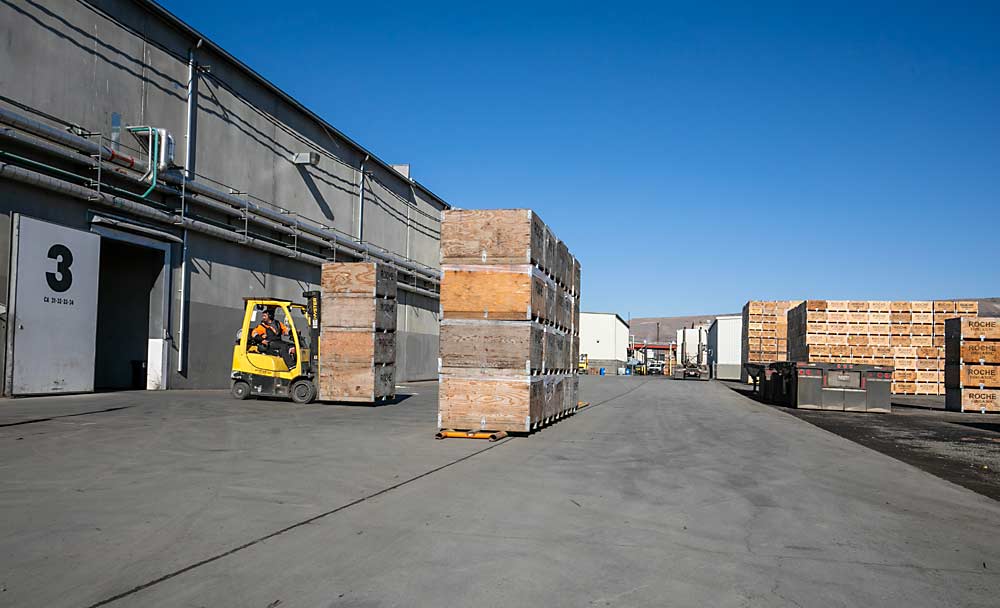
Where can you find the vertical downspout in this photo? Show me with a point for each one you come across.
(361, 200)
(188, 175)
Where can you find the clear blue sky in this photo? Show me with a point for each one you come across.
(692, 156)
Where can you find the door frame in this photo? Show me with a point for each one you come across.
(156, 376)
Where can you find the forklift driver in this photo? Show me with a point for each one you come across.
(270, 335)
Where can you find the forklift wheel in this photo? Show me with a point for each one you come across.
(303, 391)
(241, 390)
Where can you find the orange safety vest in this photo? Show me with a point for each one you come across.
(270, 332)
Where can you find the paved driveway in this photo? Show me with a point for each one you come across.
(662, 493)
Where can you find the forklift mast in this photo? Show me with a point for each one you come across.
(313, 307)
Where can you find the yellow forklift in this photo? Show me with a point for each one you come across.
(258, 371)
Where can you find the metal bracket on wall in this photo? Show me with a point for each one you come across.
(95, 183)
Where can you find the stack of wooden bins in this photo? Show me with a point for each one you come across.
(972, 364)
(908, 335)
(765, 331)
(357, 332)
(509, 322)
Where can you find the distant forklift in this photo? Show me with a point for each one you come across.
(259, 371)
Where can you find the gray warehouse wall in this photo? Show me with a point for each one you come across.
(85, 61)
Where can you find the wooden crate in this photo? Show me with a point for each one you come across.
(972, 400)
(557, 350)
(577, 275)
(490, 403)
(509, 310)
(357, 343)
(551, 253)
(514, 346)
(944, 306)
(494, 236)
(911, 331)
(975, 351)
(564, 316)
(564, 265)
(349, 311)
(972, 376)
(357, 346)
(554, 399)
(509, 293)
(765, 320)
(975, 328)
(571, 388)
(356, 383)
(972, 363)
(968, 308)
(373, 279)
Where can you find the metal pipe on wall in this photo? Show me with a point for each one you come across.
(9, 134)
(52, 184)
(361, 199)
(357, 249)
(189, 146)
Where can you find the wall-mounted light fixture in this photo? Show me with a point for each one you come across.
(306, 158)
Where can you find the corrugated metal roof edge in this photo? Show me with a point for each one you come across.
(179, 24)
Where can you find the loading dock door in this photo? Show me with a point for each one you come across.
(53, 319)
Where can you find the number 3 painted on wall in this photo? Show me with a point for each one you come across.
(60, 280)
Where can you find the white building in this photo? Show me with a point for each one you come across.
(725, 337)
(604, 339)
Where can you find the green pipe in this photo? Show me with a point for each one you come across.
(42, 165)
(153, 155)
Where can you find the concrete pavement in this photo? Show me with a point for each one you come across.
(663, 493)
